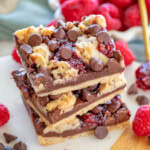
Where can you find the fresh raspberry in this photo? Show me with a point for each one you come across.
(141, 122)
(129, 57)
(53, 22)
(74, 10)
(62, 1)
(111, 14)
(122, 3)
(15, 55)
(148, 6)
(132, 16)
(4, 115)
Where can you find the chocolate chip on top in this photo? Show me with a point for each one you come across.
(26, 49)
(101, 132)
(73, 35)
(35, 40)
(66, 53)
(103, 37)
(53, 45)
(93, 29)
(59, 33)
(60, 23)
(45, 40)
(96, 64)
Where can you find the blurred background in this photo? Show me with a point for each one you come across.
(122, 16)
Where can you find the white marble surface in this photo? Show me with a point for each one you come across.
(20, 123)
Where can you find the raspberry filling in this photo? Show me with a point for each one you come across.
(143, 76)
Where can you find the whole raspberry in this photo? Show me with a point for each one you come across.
(53, 22)
(4, 115)
(141, 122)
(74, 10)
(125, 51)
(111, 14)
(132, 16)
(122, 3)
(15, 55)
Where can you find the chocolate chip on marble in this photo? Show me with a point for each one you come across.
(73, 35)
(20, 146)
(66, 53)
(96, 64)
(60, 23)
(54, 96)
(113, 65)
(97, 110)
(122, 115)
(87, 95)
(9, 137)
(35, 40)
(53, 45)
(133, 89)
(59, 33)
(45, 40)
(142, 100)
(8, 148)
(101, 132)
(117, 55)
(110, 121)
(103, 37)
(113, 106)
(2, 147)
(93, 29)
(26, 50)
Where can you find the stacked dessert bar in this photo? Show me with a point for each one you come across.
(71, 80)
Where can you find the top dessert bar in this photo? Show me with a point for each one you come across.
(68, 57)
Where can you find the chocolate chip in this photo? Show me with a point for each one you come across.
(76, 23)
(9, 137)
(20, 146)
(117, 55)
(101, 132)
(110, 121)
(40, 126)
(45, 40)
(54, 96)
(122, 115)
(2, 147)
(53, 45)
(66, 53)
(87, 95)
(44, 101)
(133, 89)
(113, 106)
(26, 50)
(60, 23)
(96, 64)
(103, 37)
(35, 40)
(59, 33)
(142, 100)
(73, 35)
(93, 29)
(97, 110)
(93, 87)
(113, 65)
(8, 148)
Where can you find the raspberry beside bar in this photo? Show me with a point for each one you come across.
(69, 57)
(63, 107)
(81, 125)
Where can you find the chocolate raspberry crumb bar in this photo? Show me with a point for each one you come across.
(68, 57)
(100, 120)
(59, 108)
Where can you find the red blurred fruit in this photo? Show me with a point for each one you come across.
(148, 6)
(132, 16)
(62, 1)
(15, 55)
(122, 3)
(74, 10)
(141, 122)
(129, 57)
(4, 115)
(111, 14)
(53, 22)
